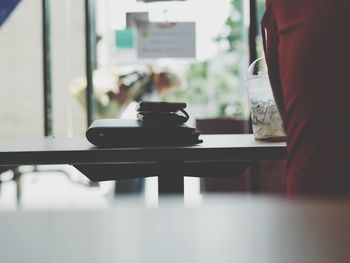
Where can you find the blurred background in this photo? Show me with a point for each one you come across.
(206, 69)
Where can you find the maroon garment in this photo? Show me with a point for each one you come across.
(308, 56)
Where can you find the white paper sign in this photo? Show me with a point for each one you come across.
(166, 40)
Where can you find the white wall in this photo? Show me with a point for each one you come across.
(21, 79)
(68, 63)
(21, 72)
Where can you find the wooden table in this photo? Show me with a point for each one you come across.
(224, 229)
(218, 156)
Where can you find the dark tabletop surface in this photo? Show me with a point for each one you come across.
(80, 151)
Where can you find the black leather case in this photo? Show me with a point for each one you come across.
(132, 133)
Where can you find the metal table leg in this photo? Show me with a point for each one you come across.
(170, 184)
(255, 178)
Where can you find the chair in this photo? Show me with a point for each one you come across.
(225, 126)
(272, 173)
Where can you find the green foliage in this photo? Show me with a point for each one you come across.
(218, 80)
(260, 9)
(196, 77)
(233, 33)
(198, 70)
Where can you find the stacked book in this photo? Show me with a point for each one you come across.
(158, 124)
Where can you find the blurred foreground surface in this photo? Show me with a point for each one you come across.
(228, 228)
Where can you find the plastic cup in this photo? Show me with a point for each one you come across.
(266, 120)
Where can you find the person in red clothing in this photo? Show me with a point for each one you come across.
(308, 55)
